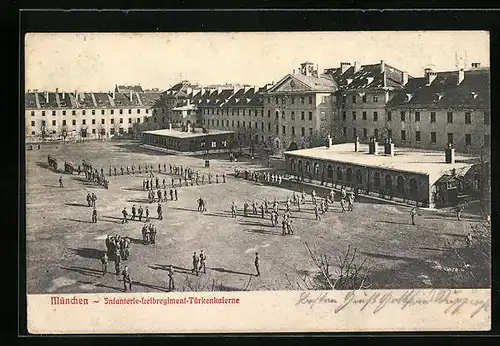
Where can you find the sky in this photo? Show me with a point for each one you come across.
(99, 61)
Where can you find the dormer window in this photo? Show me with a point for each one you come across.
(438, 97)
(408, 97)
(474, 95)
(349, 81)
(369, 80)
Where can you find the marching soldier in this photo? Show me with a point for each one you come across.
(94, 215)
(459, 213)
(89, 200)
(261, 211)
(175, 193)
(342, 204)
(413, 212)
(128, 170)
(147, 214)
(245, 208)
(171, 284)
(196, 178)
(126, 279)
(351, 202)
(124, 213)
(223, 177)
(160, 212)
(195, 264)
(203, 258)
(332, 196)
(133, 213)
(180, 181)
(233, 210)
(216, 178)
(159, 168)
(256, 263)
(254, 207)
(60, 182)
(104, 263)
(172, 182)
(171, 194)
(121, 170)
(114, 169)
(266, 205)
(158, 193)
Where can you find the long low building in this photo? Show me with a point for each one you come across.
(411, 175)
(188, 142)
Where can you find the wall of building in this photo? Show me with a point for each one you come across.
(207, 143)
(411, 187)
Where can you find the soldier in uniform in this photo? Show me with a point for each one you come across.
(109, 170)
(171, 194)
(203, 258)
(147, 214)
(172, 182)
(254, 207)
(203, 179)
(459, 213)
(175, 193)
(171, 284)
(233, 210)
(114, 169)
(60, 182)
(289, 225)
(195, 264)
(342, 204)
(140, 211)
(126, 279)
(133, 213)
(245, 208)
(159, 168)
(144, 233)
(124, 213)
(223, 177)
(164, 183)
(104, 263)
(121, 170)
(283, 226)
(261, 207)
(351, 202)
(266, 205)
(303, 197)
(89, 200)
(152, 233)
(128, 170)
(316, 213)
(133, 169)
(413, 212)
(216, 178)
(256, 263)
(160, 212)
(332, 196)
(118, 260)
(158, 193)
(196, 178)
(94, 215)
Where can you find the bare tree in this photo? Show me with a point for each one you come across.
(347, 273)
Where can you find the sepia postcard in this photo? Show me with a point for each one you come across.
(257, 182)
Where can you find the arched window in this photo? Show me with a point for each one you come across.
(308, 167)
(330, 171)
(359, 177)
(316, 168)
(376, 179)
(413, 188)
(339, 173)
(292, 164)
(300, 166)
(348, 174)
(401, 184)
(388, 182)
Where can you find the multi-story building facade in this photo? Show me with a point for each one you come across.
(442, 108)
(298, 106)
(86, 115)
(364, 91)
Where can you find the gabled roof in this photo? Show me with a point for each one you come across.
(304, 83)
(444, 92)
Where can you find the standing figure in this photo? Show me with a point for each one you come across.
(223, 177)
(124, 213)
(233, 210)
(171, 284)
(316, 213)
(254, 207)
(140, 212)
(175, 193)
(94, 215)
(256, 263)
(133, 213)
(203, 258)
(245, 208)
(413, 213)
(195, 264)
(147, 214)
(126, 279)
(89, 200)
(160, 212)
(104, 263)
(261, 211)
(60, 182)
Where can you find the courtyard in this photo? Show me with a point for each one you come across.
(64, 248)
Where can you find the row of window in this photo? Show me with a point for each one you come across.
(403, 136)
(84, 122)
(354, 99)
(292, 115)
(232, 111)
(103, 131)
(93, 111)
(292, 100)
(243, 124)
(449, 116)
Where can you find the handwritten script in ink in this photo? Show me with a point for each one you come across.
(452, 301)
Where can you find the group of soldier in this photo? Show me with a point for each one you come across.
(264, 177)
(117, 247)
(148, 234)
(162, 197)
(199, 263)
(139, 212)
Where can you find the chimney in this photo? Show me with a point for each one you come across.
(57, 90)
(63, 95)
(384, 77)
(344, 66)
(219, 90)
(114, 94)
(429, 77)
(389, 147)
(356, 144)
(317, 71)
(356, 66)
(373, 146)
(293, 71)
(329, 142)
(382, 66)
(46, 96)
(131, 95)
(450, 154)
(461, 75)
(404, 77)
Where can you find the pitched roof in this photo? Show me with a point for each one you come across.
(445, 92)
(312, 82)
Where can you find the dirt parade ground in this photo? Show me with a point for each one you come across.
(64, 248)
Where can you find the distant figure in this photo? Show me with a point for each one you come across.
(94, 216)
(160, 212)
(60, 182)
(124, 213)
(104, 263)
(195, 264)
(233, 210)
(468, 239)
(256, 263)
(126, 279)
(171, 284)
(459, 210)
(203, 258)
(413, 213)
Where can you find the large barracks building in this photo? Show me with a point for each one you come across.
(375, 101)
